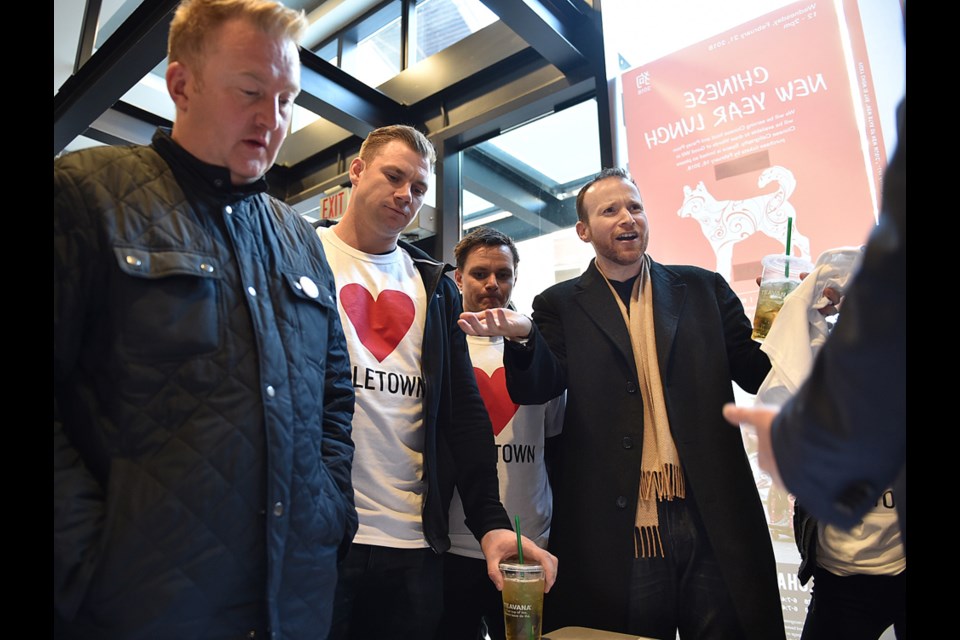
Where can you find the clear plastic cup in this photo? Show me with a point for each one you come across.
(522, 600)
(781, 275)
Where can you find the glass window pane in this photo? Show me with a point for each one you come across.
(112, 14)
(371, 50)
(437, 24)
(524, 182)
(301, 118)
(564, 146)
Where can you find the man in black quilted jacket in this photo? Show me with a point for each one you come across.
(202, 445)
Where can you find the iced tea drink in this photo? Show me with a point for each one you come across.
(781, 275)
(772, 294)
(522, 600)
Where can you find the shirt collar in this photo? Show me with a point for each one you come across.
(211, 178)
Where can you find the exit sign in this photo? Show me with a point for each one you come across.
(332, 206)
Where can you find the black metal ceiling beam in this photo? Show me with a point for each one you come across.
(545, 31)
(337, 96)
(137, 46)
(124, 124)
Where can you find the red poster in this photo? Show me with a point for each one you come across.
(729, 138)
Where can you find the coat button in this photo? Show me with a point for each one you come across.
(278, 509)
(621, 502)
(228, 209)
(627, 442)
(271, 391)
(631, 387)
(309, 287)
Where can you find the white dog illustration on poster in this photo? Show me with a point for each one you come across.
(726, 222)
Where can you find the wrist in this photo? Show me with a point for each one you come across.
(522, 340)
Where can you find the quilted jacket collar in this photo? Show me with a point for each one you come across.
(204, 178)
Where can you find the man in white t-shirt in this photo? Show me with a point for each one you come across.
(420, 427)
(486, 272)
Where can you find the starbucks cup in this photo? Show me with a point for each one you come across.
(781, 275)
(522, 600)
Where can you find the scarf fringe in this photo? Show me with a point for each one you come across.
(647, 542)
(663, 484)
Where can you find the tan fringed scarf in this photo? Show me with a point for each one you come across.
(661, 477)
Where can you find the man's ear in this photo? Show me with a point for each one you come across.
(458, 278)
(177, 76)
(356, 168)
(583, 231)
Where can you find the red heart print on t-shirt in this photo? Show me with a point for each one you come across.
(381, 323)
(493, 390)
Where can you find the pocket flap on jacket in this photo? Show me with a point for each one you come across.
(310, 288)
(152, 264)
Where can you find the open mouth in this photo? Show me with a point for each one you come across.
(628, 237)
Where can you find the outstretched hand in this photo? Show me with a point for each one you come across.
(760, 420)
(496, 322)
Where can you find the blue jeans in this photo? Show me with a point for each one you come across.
(684, 590)
(387, 594)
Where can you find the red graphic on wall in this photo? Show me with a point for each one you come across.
(731, 137)
(381, 323)
(493, 390)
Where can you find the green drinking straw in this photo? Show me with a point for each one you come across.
(516, 520)
(786, 267)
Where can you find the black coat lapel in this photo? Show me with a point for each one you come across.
(669, 294)
(595, 298)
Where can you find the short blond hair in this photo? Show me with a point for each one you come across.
(195, 20)
(379, 138)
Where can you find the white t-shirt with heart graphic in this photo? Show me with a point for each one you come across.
(519, 431)
(382, 304)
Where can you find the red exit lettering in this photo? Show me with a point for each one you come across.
(332, 207)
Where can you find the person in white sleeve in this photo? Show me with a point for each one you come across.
(420, 427)
(486, 273)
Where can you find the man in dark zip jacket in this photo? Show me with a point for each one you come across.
(420, 426)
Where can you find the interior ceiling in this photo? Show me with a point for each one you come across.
(541, 56)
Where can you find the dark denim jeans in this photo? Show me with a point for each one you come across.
(858, 607)
(387, 594)
(683, 591)
(468, 596)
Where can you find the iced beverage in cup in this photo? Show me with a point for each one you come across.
(781, 275)
(522, 600)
